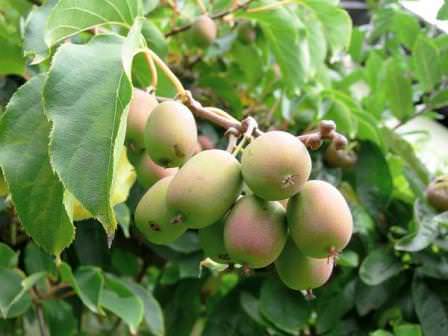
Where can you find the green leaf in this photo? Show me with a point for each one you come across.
(371, 298)
(373, 189)
(87, 283)
(36, 260)
(406, 27)
(12, 301)
(333, 305)
(12, 61)
(34, 44)
(251, 305)
(120, 300)
(429, 308)
(315, 36)
(442, 14)
(153, 314)
(379, 266)
(439, 99)
(336, 22)
(286, 309)
(71, 17)
(427, 228)
(123, 215)
(124, 263)
(427, 66)
(285, 34)
(26, 285)
(348, 258)
(35, 189)
(398, 90)
(59, 317)
(407, 330)
(357, 44)
(8, 258)
(86, 96)
(154, 38)
(380, 333)
(404, 149)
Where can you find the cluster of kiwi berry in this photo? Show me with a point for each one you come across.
(281, 217)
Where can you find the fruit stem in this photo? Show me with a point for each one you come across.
(221, 112)
(326, 131)
(171, 76)
(153, 69)
(202, 7)
(250, 125)
(309, 295)
(232, 135)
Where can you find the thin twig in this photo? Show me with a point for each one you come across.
(153, 69)
(214, 17)
(41, 320)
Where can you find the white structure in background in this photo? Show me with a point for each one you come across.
(427, 11)
(432, 148)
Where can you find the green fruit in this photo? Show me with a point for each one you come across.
(319, 220)
(148, 172)
(437, 193)
(142, 104)
(153, 217)
(300, 272)
(204, 31)
(211, 239)
(255, 231)
(247, 33)
(339, 158)
(170, 134)
(276, 165)
(205, 188)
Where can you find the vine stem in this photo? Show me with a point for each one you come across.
(153, 69)
(217, 16)
(171, 76)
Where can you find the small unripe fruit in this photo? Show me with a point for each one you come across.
(255, 231)
(247, 33)
(276, 165)
(204, 31)
(142, 103)
(319, 220)
(300, 272)
(148, 172)
(170, 134)
(205, 188)
(339, 158)
(153, 217)
(437, 193)
(211, 239)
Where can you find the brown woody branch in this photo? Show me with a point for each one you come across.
(312, 140)
(217, 16)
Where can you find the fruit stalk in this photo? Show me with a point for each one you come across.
(313, 140)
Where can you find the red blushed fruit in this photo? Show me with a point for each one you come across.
(255, 231)
(141, 106)
(300, 272)
(148, 172)
(319, 220)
